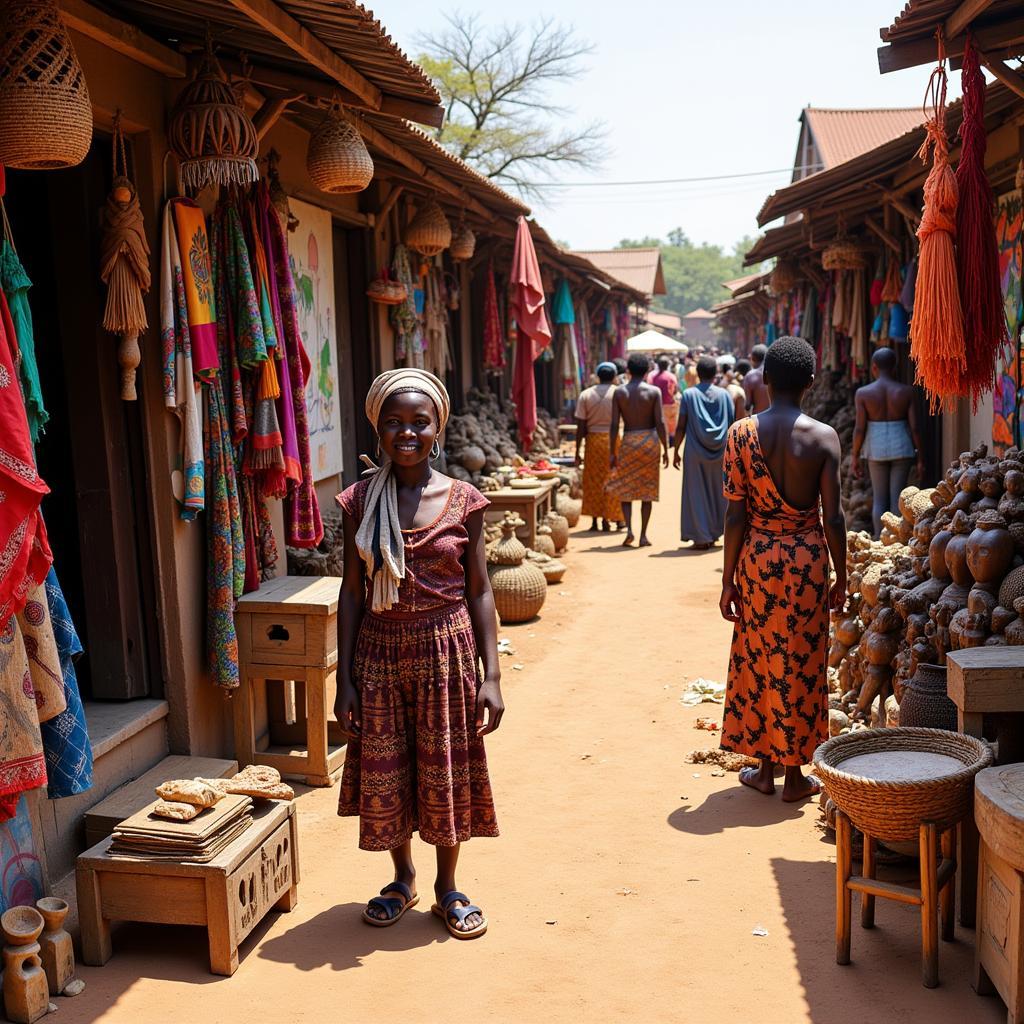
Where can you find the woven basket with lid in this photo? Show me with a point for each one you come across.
(463, 243)
(337, 159)
(45, 112)
(519, 587)
(429, 233)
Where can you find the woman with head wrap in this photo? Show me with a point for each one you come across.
(593, 421)
(417, 617)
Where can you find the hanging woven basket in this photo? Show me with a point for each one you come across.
(846, 254)
(209, 132)
(784, 278)
(45, 113)
(337, 159)
(429, 233)
(463, 243)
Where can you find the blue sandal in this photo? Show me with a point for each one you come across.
(394, 907)
(454, 916)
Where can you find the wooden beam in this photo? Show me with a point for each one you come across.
(382, 213)
(309, 47)
(267, 116)
(914, 52)
(876, 229)
(1010, 77)
(125, 39)
(964, 15)
(904, 207)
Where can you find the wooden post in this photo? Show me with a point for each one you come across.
(947, 898)
(96, 947)
(929, 851)
(867, 905)
(843, 896)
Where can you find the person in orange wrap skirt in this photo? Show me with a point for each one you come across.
(784, 521)
(593, 418)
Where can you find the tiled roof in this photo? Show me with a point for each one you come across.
(920, 18)
(699, 314)
(639, 268)
(841, 135)
(664, 319)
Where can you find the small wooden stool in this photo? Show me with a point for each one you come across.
(288, 631)
(230, 895)
(935, 896)
(999, 949)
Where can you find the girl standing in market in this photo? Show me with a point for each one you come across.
(417, 617)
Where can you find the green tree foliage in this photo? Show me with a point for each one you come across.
(694, 272)
(494, 82)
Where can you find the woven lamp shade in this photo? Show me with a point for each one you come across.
(45, 113)
(784, 278)
(337, 159)
(210, 134)
(845, 254)
(429, 233)
(463, 244)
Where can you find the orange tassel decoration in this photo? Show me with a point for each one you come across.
(937, 327)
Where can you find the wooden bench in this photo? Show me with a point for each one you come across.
(229, 896)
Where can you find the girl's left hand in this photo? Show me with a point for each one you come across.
(490, 705)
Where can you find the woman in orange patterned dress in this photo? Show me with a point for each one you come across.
(784, 520)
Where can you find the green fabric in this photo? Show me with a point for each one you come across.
(15, 284)
(562, 311)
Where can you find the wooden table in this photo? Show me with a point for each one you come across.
(229, 896)
(980, 681)
(531, 503)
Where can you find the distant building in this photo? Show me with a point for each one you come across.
(663, 320)
(699, 328)
(639, 268)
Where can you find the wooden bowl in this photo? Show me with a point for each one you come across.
(21, 925)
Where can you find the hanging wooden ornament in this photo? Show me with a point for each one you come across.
(209, 132)
(124, 266)
(45, 113)
(429, 233)
(337, 159)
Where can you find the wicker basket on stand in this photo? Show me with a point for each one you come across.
(337, 159)
(893, 808)
(45, 112)
(429, 233)
(519, 586)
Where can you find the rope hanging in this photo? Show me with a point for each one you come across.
(937, 327)
(977, 250)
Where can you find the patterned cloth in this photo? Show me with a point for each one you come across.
(776, 703)
(15, 283)
(419, 764)
(43, 658)
(66, 737)
(637, 474)
(597, 502)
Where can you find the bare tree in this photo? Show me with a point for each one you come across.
(494, 82)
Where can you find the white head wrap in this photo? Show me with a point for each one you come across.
(379, 537)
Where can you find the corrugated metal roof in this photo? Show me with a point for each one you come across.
(639, 268)
(841, 135)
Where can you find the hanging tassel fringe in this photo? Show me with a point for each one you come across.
(985, 332)
(937, 330)
(269, 386)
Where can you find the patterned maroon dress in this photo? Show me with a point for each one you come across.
(419, 764)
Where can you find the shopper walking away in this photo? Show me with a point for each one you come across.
(886, 433)
(633, 461)
(753, 383)
(734, 385)
(665, 381)
(593, 421)
(781, 467)
(704, 418)
(417, 615)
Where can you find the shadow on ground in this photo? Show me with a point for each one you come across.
(737, 807)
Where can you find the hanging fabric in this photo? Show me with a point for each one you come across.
(403, 314)
(562, 311)
(494, 336)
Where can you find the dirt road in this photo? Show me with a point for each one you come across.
(626, 885)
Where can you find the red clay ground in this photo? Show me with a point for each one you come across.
(626, 885)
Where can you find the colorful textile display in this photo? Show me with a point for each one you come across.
(181, 390)
(25, 556)
(985, 334)
(194, 247)
(66, 741)
(494, 336)
(562, 311)
(533, 332)
(403, 314)
(15, 283)
(436, 356)
(43, 659)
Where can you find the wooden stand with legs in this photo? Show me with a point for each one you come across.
(934, 896)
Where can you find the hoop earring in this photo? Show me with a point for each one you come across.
(435, 450)
(379, 456)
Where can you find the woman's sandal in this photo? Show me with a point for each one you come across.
(446, 911)
(394, 907)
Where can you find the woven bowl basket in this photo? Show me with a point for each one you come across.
(429, 233)
(337, 159)
(519, 591)
(894, 810)
(45, 112)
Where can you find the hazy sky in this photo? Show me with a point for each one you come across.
(694, 88)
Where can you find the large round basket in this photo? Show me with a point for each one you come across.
(893, 808)
(845, 254)
(45, 112)
(429, 233)
(337, 159)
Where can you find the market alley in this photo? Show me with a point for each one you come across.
(627, 884)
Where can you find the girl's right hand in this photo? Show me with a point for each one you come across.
(347, 710)
(729, 605)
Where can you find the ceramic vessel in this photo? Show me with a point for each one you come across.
(55, 947)
(990, 549)
(559, 530)
(937, 554)
(956, 551)
(925, 703)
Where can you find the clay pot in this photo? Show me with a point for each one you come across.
(21, 925)
(544, 543)
(570, 507)
(560, 530)
(925, 703)
(990, 548)
(55, 948)
(956, 551)
(937, 554)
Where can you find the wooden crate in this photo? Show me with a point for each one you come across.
(229, 896)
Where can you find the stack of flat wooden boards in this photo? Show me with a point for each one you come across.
(195, 842)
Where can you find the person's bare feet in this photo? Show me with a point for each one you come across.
(644, 542)
(799, 787)
(762, 779)
(627, 541)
